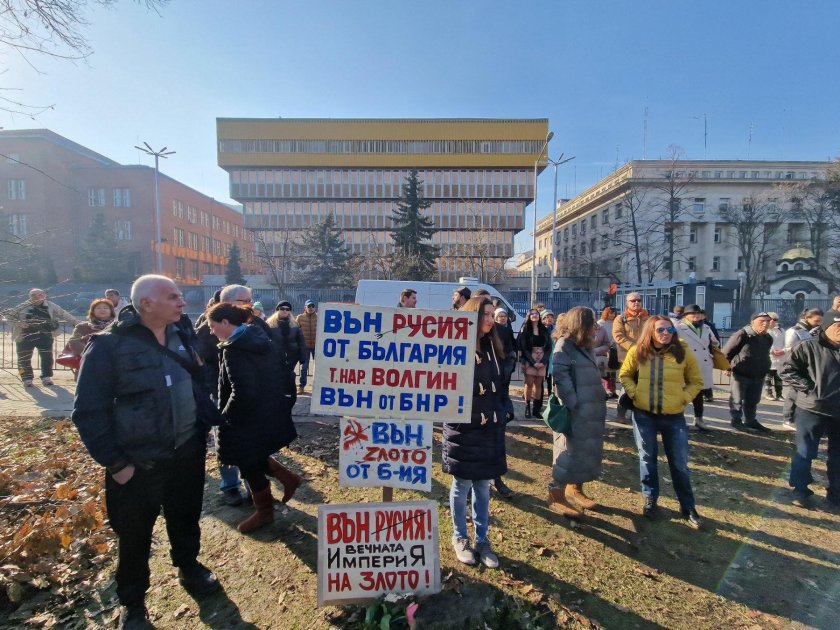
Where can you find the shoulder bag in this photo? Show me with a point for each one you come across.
(556, 414)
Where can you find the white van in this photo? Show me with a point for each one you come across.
(434, 295)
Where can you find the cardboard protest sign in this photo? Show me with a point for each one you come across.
(368, 549)
(375, 361)
(385, 453)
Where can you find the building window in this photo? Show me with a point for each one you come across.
(177, 209)
(194, 269)
(740, 266)
(582, 228)
(699, 206)
(605, 241)
(668, 235)
(617, 237)
(666, 264)
(792, 230)
(122, 197)
(692, 234)
(718, 235)
(178, 237)
(619, 210)
(122, 230)
(566, 234)
(593, 221)
(205, 245)
(799, 266)
(574, 231)
(17, 225)
(16, 190)
(208, 268)
(692, 263)
(96, 197)
(180, 270)
(192, 214)
(716, 263)
(605, 216)
(583, 248)
(192, 241)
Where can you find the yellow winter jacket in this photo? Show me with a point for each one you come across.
(660, 385)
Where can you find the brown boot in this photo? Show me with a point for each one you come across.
(290, 480)
(264, 503)
(574, 492)
(558, 502)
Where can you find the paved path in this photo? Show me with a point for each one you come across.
(57, 402)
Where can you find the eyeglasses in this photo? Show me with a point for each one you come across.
(243, 301)
(774, 319)
(636, 300)
(310, 306)
(284, 308)
(670, 330)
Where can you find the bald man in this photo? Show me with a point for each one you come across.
(142, 409)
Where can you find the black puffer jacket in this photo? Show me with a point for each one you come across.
(749, 353)
(123, 409)
(813, 370)
(290, 338)
(527, 341)
(476, 449)
(257, 416)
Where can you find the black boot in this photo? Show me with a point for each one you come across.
(528, 410)
(501, 488)
(538, 407)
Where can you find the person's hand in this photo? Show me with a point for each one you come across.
(728, 372)
(125, 475)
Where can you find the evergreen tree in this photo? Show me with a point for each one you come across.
(99, 258)
(414, 256)
(326, 261)
(233, 272)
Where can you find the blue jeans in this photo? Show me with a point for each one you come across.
(230, 477)
(306, 355)
(480, 508)
(675, 442)
(810, 427)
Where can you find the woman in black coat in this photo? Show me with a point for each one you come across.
(474, 452)
(257, 416)
(534, 343)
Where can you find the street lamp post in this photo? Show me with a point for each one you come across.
(552, 251)
(534, 255)
(163, 153)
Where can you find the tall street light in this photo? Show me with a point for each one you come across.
(163, 153)
(534, 255)
(552, 253)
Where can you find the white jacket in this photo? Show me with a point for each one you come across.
(699, 345)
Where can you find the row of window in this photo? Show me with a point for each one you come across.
(380, 183)
(19, 226)
(196, 216)
(98, 197)
(16, 190)
(182, 266)
(355, 147)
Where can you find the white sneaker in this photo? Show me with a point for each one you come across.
(485, 552)
(47, 381)
(463, 551)
(27, 382)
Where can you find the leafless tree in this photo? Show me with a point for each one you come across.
(52, 28)
(670, 192)
(754, 224)
(276, 264)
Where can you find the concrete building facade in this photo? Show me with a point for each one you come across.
(594, 241)
(478, 174)
(52, 188)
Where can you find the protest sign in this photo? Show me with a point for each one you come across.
(385, 453)
(368, 549)
(375, 361)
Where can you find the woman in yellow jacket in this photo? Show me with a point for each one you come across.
(661, 376)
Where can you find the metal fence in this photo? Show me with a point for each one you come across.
(297, 296)
(8, 352)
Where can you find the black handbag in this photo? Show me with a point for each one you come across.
(612, 361)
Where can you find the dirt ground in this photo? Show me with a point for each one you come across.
(758, 563)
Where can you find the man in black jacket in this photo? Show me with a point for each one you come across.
(748, 351)
(813, 370)
(142, 409)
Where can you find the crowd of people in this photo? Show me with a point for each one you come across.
(151, 385)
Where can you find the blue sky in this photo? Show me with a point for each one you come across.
(591, 67)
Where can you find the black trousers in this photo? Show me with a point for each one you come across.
(174, 485)
(26, 345)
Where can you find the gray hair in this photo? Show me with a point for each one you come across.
(35, 290)
(145, 286)
(231, 292)
(633, 294)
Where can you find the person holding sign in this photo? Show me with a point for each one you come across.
(257, 414)
(474, 452)
(577, 382)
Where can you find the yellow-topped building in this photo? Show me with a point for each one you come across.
(477, 173)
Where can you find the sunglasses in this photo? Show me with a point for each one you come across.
(284, 308)
(670, 330)
(634, 300)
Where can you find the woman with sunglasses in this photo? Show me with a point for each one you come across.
(661, 377)
(534, 350)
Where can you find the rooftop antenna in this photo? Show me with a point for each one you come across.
(705, 134)
(749, 142)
